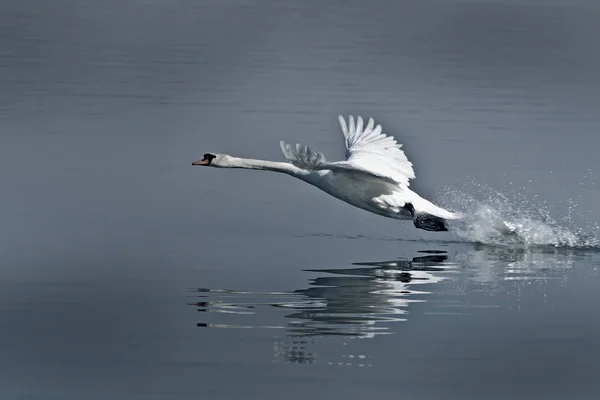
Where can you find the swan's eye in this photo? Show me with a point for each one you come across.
(209, 157)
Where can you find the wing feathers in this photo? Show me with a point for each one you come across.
(369, 125)
(302, 157)
(343, 125)
(368, 150)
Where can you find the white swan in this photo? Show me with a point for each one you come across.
(373, 177)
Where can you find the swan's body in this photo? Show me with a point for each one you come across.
(374, 177)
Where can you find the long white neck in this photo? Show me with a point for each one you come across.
(275, 166)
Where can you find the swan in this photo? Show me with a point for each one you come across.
(374, 177)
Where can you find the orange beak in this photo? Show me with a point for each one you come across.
(201, 162)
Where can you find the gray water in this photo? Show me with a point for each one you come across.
(128, 274)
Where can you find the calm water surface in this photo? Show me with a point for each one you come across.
(128, 274)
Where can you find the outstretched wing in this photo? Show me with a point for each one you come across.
(303, 157)
(371, 150)
(368, 151)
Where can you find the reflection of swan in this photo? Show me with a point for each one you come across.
(355, 300)
(369, 298)
(349, 303)
(374, 176)
(344, 302)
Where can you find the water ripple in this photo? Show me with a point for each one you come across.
(354, 302)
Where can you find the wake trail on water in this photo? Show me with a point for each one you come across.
(494, 218)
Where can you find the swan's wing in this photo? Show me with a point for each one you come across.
(370, 150)
(303, 157)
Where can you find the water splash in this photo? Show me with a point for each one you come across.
(495, 218)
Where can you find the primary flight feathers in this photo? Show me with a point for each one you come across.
(367, 149)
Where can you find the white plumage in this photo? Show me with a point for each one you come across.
(374, 177)
(374, 151)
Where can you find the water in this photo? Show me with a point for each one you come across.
(520, 219)
(128, 274)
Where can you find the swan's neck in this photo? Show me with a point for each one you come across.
(275, 166)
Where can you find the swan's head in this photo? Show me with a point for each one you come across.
(215, 160)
